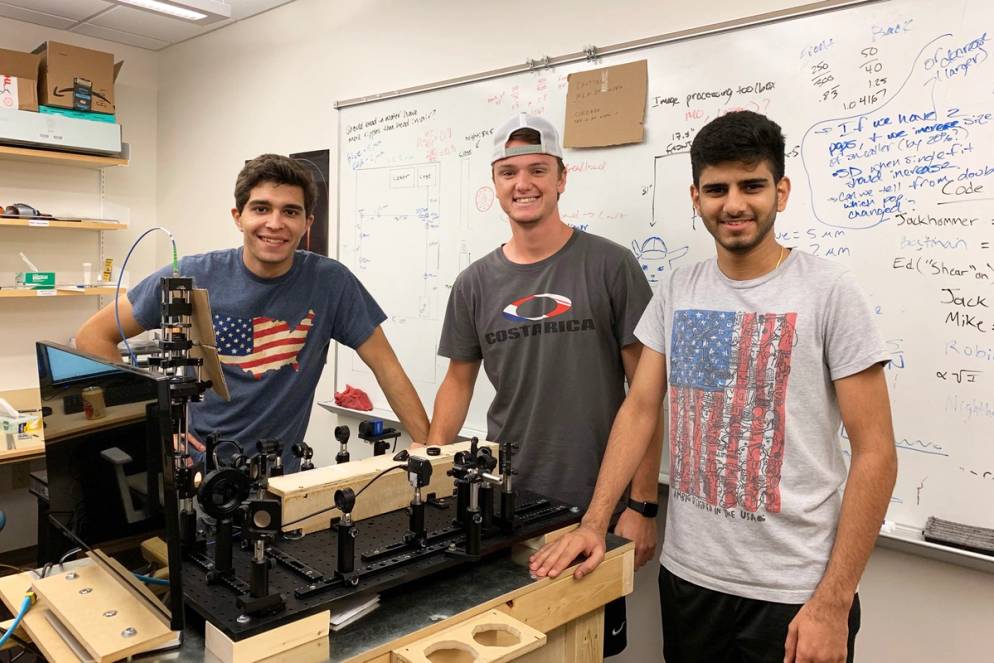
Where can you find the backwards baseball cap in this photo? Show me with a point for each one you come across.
(548, 138)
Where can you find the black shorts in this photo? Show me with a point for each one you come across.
(615, 627)
(704, 626)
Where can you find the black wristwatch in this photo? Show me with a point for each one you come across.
(647, 509)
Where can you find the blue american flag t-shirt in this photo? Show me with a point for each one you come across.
(260, 344)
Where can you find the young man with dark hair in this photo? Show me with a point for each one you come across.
(766, 351)
(551, 315)
(275, 310)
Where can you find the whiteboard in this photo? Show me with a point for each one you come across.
(888, 109)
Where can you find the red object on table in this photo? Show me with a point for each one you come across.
(353, 398)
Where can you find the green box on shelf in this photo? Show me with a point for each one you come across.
(37, 280)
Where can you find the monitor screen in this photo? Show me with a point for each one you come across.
(66, 366)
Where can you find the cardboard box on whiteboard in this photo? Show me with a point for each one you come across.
(606, 106)
(70, 74)
(20, 72)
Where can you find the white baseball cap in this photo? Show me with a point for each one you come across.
(548, 136)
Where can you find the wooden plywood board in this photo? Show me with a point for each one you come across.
(282, 642)
(306, 493)
(35, 622)
(491, 637)
(102, 613)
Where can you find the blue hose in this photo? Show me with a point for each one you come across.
(25, 604)
(149, 580)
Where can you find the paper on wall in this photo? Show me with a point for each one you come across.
(606, 106)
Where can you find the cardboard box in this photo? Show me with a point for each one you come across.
(78, 78)
(19, 80)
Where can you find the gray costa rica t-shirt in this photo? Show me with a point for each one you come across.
(756, 465)
(550, 336)
(272, 337)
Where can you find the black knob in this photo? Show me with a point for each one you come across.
(342, 434)
(345, 500)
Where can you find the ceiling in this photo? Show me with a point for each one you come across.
(121, 24)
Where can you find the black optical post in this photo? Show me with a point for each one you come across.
(342, 435)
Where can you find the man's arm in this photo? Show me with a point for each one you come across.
(452, 401)
(630, 437)
(376, 353)
(820, 629)
(99, 335)
(645, 485)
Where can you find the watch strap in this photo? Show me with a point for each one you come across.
(647, 509)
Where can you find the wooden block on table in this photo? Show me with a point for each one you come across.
(154, 551)
(492, 637)
(305, 493)
(281, 642)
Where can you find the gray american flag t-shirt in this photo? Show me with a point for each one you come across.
(756, 465)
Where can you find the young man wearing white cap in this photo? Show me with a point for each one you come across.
(551, 315)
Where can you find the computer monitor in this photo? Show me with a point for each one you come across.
(61, 367)
(111, 482)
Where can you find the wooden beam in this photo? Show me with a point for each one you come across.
(292, 638)
(311, 492)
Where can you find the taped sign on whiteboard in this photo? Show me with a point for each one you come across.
(606, 106)
(8, 92)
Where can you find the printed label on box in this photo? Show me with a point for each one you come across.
(8, 92)
(41, 223)
(46, 293)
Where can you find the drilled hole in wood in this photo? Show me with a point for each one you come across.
(450, 652)
(496, 635)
